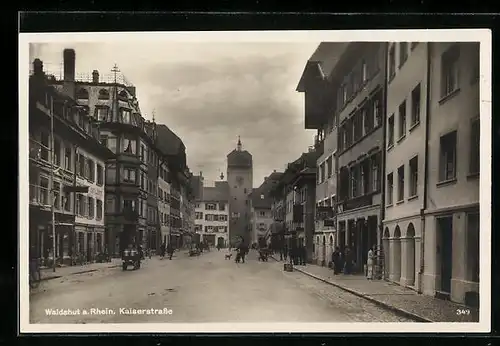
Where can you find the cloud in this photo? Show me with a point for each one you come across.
(209, 93)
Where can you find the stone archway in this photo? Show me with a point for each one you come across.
(396, 259)
(387, 253)
(410, 255)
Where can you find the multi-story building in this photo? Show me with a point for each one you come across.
(277, 232)
(261, 212)
(163, 202)
(212, 214)
(320, 115)
(240, 180)
(431, 229)
(358, 80)
(66, 174)
(405, 160)
(131, 206)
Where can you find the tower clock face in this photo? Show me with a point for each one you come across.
(239, 180)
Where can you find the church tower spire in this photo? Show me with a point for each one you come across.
(238, 146)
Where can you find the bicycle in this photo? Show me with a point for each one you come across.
(35, 276)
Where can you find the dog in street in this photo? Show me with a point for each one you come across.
(228, 256)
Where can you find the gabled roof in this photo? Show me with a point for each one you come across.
(217, 193)
(322, 62)
(264, 190)
(168, 142)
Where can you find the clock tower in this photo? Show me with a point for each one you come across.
(240, 180)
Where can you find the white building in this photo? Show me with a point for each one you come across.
(212, 214)
(163, 203)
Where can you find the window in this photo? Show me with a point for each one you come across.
(447, 161)
(81, 165)
(403, 53)
(44, 148)
(415, 105)
(57, 195)
(354, 181)
(357, 126)
(390, 131)
(102, 113)
(91, 170)
(390, 188)
(80, 204)
(413, 176)
(401, 183)
(99, 209)
(129, 175)
(143, 180)
(125, 115)
(57, 152)
(367, 120)
(375, 173)
(67, 201)
(322, 172)
(222, 207)
(392, 61)
(143, 153)
(402, 119)
(449, 71)
(91, 207)
(210, 206)
(128, 204)
(377, 114)
(110, 174)
(129, 146)
(82, 94)
(262, 213)
(111, 143)
(474, 147)
(329, 166)
(364, 71)
(100, 175)
(67, 159)
(362, 181)
(103, 94)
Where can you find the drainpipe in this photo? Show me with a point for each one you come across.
(426, 166)
(381, 264)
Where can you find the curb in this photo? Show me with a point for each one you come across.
(386, 306)
(75, 273)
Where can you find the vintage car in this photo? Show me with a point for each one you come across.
(131, 257)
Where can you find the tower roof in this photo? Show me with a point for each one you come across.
(239, 158)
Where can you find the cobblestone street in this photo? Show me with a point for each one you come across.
(202, 289)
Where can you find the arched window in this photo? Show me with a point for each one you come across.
(103, 94)
(123, 95)
(82, 94)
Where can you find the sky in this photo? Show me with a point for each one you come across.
(210, 93)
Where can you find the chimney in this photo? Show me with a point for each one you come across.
(37, 67)
(69, 72)
(95, 76)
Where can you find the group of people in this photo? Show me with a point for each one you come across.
(343, 262)
(296, 254)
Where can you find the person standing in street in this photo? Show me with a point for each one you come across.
(370, 263)
(336, 257)
(162, 250)
(303, 254)
(170, 251)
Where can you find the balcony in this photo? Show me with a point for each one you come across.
(355, 203)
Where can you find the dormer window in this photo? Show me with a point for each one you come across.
(82, 94)
(103, 94)
(123, 95)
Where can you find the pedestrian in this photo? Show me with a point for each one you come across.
(170, 251)
(303, 254)
(369, 264)
(336, 257)
(285, 252)
(218, 247)
(347, 261)
(162, 250)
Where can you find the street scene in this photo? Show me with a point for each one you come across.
(203, 182)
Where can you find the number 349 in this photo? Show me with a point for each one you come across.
(463, 312)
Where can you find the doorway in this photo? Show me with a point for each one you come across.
(445, 234)
(220, 242)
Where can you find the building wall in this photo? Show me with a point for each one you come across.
(262, 218)
(164, 206)
(239, 203)
(457, 198)
(405, 215)
(202, 223)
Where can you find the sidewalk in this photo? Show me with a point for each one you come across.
(399, 299)
(48, 274)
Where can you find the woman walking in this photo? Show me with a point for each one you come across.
(369, 264)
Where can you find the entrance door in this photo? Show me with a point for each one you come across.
(445, 243)
(220, 242)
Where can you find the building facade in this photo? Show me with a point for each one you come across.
(359, 83)
(261, 210)
(408, 72)
(66, 172)
(164, 202)
(451, 234)
(240, 179)
(212, 215)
